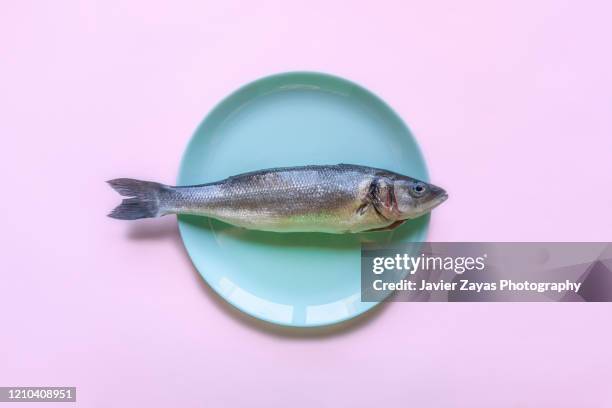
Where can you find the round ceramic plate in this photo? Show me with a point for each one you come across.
(293, 119)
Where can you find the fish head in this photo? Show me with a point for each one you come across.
(415, 198)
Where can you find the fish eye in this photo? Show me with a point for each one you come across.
(418, 189)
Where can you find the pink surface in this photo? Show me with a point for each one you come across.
(510, 101)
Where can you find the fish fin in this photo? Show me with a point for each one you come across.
(388, 227)
(143, 202)
(363, 208)
(380, 195)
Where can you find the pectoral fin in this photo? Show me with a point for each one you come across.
(388, 227)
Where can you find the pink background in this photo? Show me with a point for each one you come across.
(510, 101)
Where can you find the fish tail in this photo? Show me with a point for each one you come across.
(145, 200)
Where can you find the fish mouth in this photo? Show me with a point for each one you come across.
(438, 200)
(438, 196)
(431, 205)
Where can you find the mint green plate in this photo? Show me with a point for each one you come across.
(293, 119)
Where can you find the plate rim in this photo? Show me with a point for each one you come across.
(219, 105)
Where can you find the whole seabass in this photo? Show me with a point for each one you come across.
(337, 199)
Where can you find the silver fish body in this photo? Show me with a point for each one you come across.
(340, 198)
